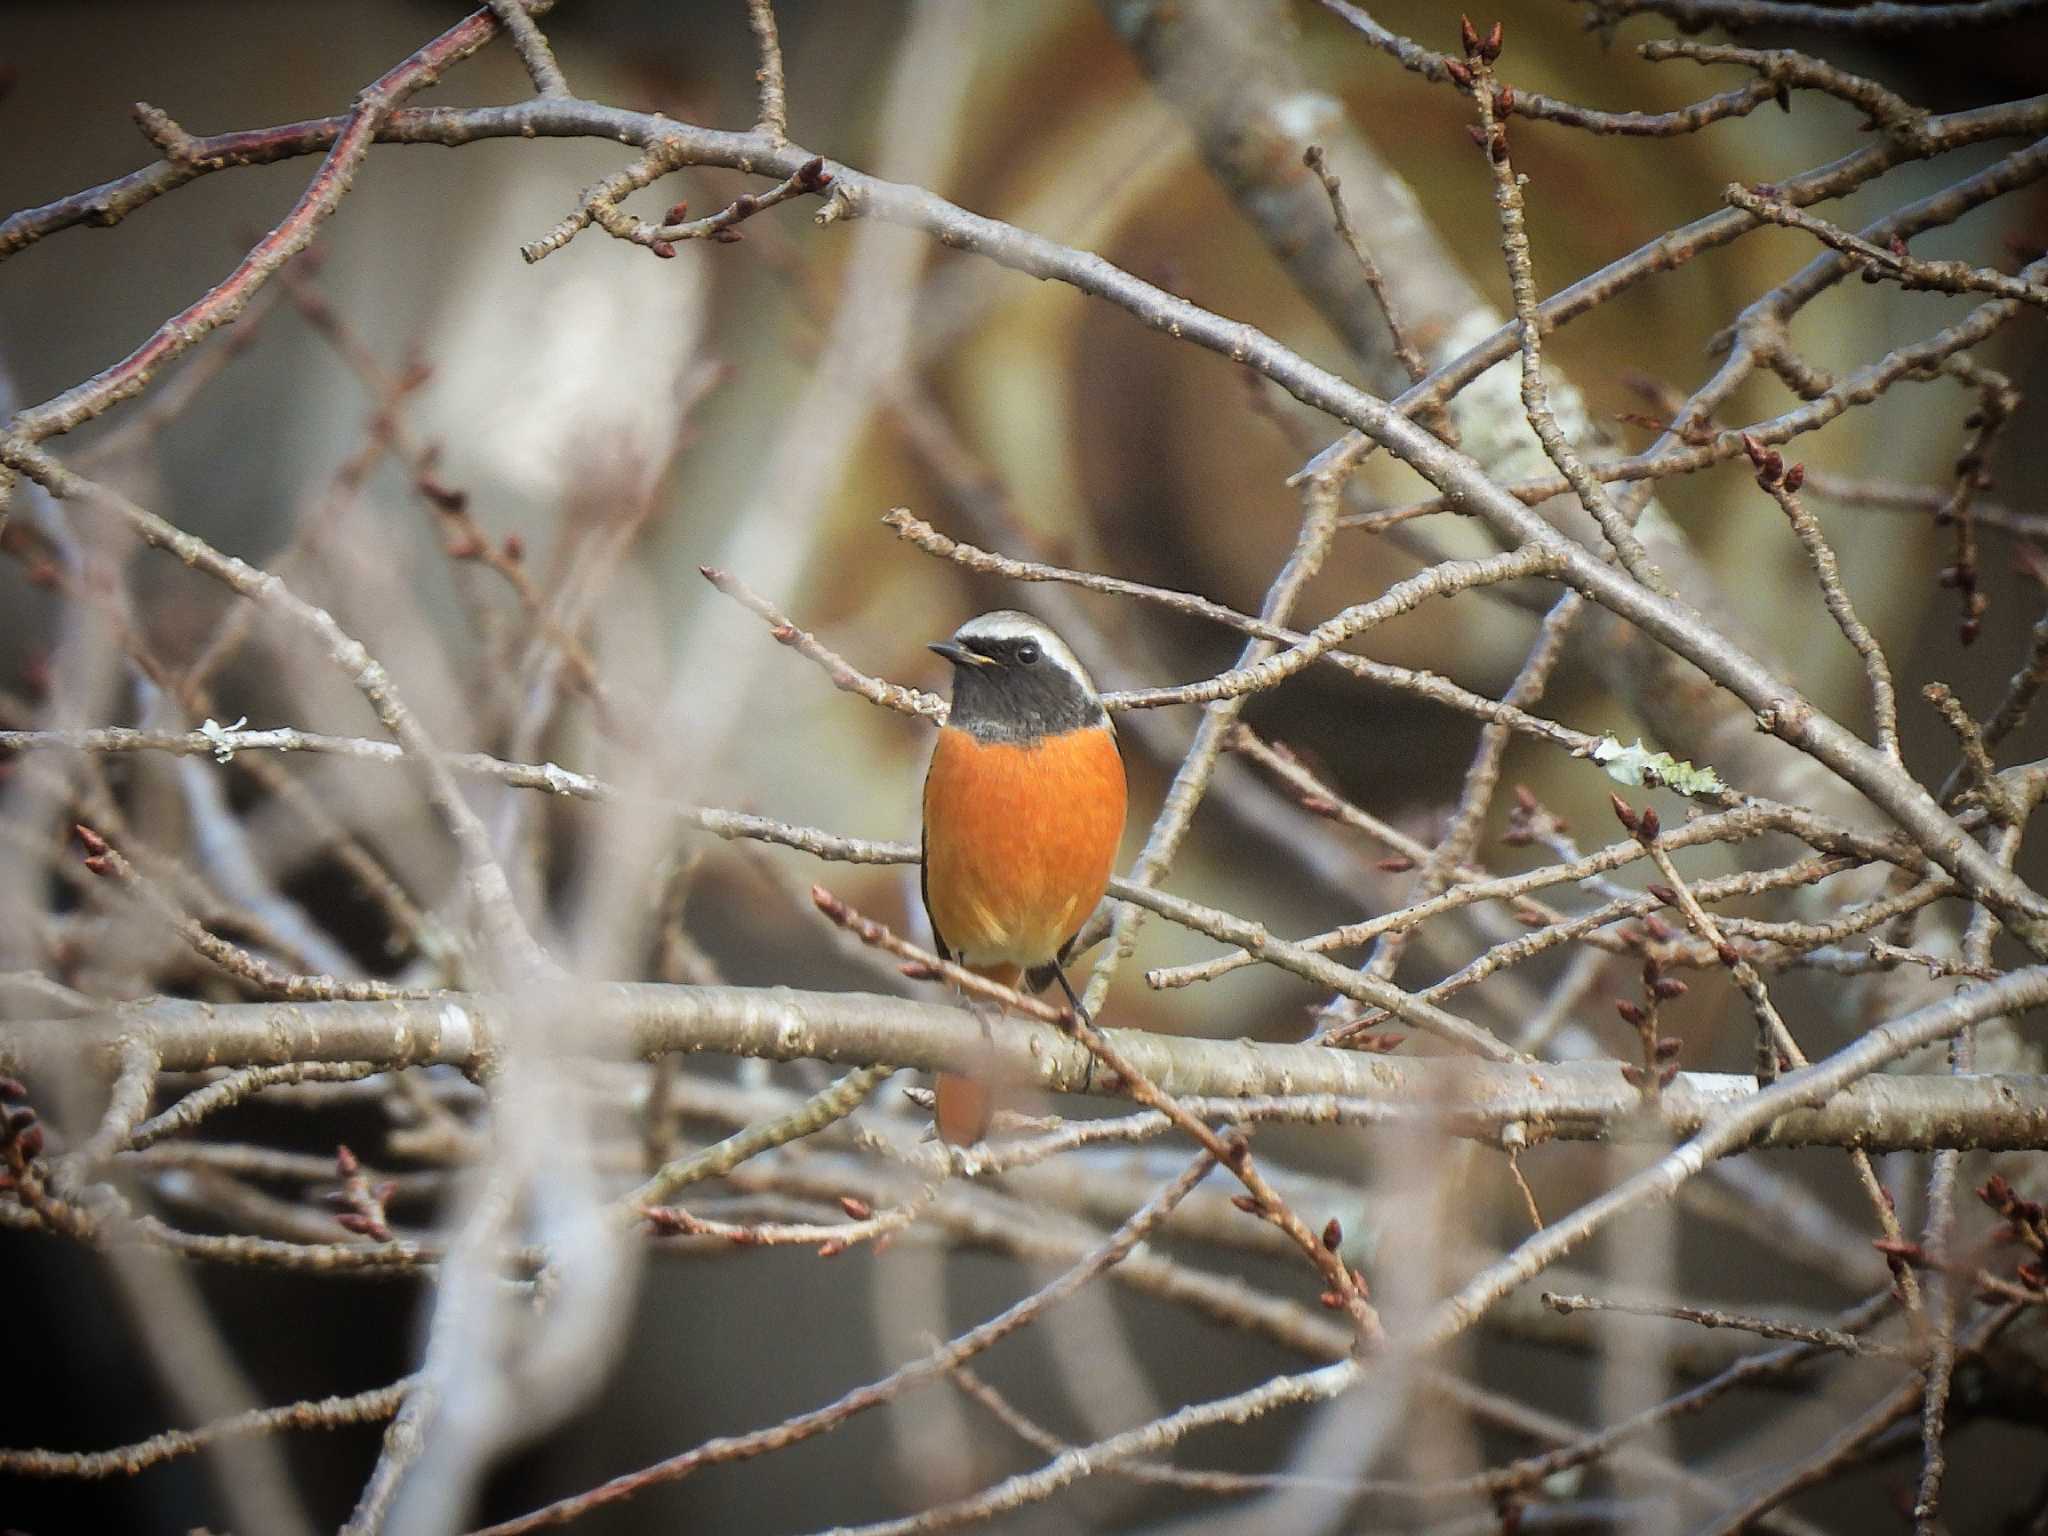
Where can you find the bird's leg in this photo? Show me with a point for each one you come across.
(986, 1011)
(1059, 972)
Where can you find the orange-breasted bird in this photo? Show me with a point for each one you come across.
(1023, 812)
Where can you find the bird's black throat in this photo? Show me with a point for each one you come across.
(1017, 704)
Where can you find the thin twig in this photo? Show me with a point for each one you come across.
(773, 120)
(1507, 197)
(127, 1460)
(1404, 349)
(534, 51)
(1893, 263)
(1346, 1287)
(1846, 1342)
(1782, 484)
(823, 1108)
(804, 1426)
(231, 1089)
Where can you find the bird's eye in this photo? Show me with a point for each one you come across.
(1027, 653)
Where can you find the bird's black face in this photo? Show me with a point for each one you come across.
(1015, 683)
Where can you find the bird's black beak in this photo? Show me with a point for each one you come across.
(959, 655)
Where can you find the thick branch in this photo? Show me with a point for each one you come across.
(1571, 1100)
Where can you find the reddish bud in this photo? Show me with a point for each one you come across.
(1664, 1078)
(1795, 477)
(1396, 864)
(1334, 1300)
(1460, 73)
(1900, 1248)
(812, 174)
(1633, 1076)
(831, 1248)
(1659, 930)
(1468, 35)
(345, 1163)
(1631, 1012)
(30, 1141)
(1623, 812)
(855, 1207)
(665, 249)
(677, 214)
(446, 497)
(91, 840)
(1667, 987)
(1726, 953)
(1499, 148)
(1663, 893)
(1246, 1204)
(1333, 1234)
(1648, 825)
(100, 864)
(1504, 100)
(1668, 1048)
(1526, 799)
(1490, 48)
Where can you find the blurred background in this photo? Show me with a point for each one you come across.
(758, 407)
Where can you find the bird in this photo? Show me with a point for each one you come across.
(1024, 807)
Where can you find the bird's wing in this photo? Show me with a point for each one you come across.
(924, 891)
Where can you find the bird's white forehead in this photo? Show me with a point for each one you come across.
(1009, 624)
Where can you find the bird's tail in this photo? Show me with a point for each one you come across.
(965, 1105)
(964, 1108)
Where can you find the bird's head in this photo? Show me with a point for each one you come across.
(1014, 680)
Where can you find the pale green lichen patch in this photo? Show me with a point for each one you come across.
(1640, 766)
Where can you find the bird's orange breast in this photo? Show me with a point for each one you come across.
(1020, 841)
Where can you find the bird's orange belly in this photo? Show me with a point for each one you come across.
(1020, 842)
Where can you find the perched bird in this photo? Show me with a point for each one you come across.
(1023, 812)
